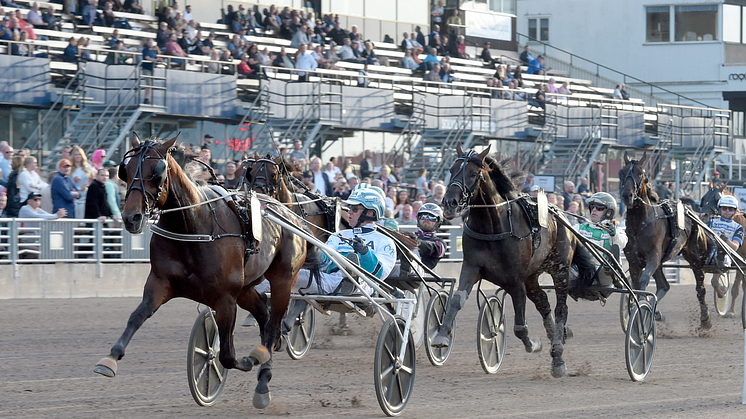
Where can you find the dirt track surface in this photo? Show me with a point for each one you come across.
(51, 346)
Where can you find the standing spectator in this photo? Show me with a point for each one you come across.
(420, 38)
(133, 6)
(29, 180)
(82, 176)
(391, 197)
(320, 179)
(423, 185)
(14, 196)
(366, 165)
(406, 216)
(583, 188)
(297, 152)
(149, 57)
(454, 22)
(304, 61)
(6, 155)
(96, 205)
(231, 180)
(188, 13)
(568, 191)
(89, 12)
(98, 159)
(437, 13)
(112, 192)
(64, 192)
(526, 56)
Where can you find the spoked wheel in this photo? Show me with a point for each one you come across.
(394, 377)
(417, 326)
(436, 311)
(491, 334)
(625, 307)
(722, 303)
(205, 372)
(639, 347)
(743, 309)
(300, 335)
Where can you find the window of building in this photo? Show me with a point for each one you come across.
(731, 23)
(658, 22)
(696, 23)
(538, 29)
(499, 6)
(738, 124)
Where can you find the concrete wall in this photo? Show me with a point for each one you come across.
(24, 80)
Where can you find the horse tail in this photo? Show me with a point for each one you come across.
(585, 262)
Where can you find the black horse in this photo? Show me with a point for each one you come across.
(654, 238)
(502, 245)
(200, 253)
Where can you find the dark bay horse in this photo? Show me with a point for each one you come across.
(198, 251)
(652, 242)
(501, 246)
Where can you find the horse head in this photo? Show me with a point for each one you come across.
(467, 174)
(264, 175)
(145, 171)
(709, 201)
(633, 179)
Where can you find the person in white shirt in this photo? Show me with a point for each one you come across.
(32, 209)
(34, 17)
(29, 180)
(345, 51)
(187, 13)
(304, 61)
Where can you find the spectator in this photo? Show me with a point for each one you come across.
(436, 13)
(369, 55)
(439, 192)
(71, 51)
(435, 42)
(271, 20)
(34, 17)
(434, 74)
(96, 205)
(297, 152)
(304, 61)
(540, 98)
(29, 180)
(64, 192)
(320, 179)
(231, 180)
(568, 191)
(207, 44)
(188, 13)
(300, 37)
(174, 49)
(552, 88)
(46, 194)
(307, 180)
(458, 50)
(177, 22)
(133, 6)
(282, 60)
(85, 53)
(406, 216)
(391, 197)
(435, 31)
(623, 92)
(406, 43)
(446, 73)
(565, 88)
(454, 22)
(537, 66)
(149, 57)
(3, 206)
(526, 56)
(429, 62)
(583, 188)
(366, 164)
(420, 38)
(417, 47)
(89, 13)
(345, 51)
(518, 76)
(357, 52)
(408, 61)
(423, 185)
(617, 92)
(31, 209)
(340, 189)
(98, 159)
(14, 195)
(82, 176)
(6, 155)
(191, 30)
(162, 35)
(486, 56)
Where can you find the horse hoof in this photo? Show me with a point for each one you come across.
(535, 346)
(107, 367)
(260, 354)
(659, 317)
(261, 401)
(568, 333)
(559, 371)
(440, 342)
(729, 315)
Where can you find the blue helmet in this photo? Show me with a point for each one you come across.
(370, 197)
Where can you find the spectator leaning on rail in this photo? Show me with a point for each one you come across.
(32, 209)
(64, 192)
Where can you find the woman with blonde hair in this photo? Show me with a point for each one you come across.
(82, 176)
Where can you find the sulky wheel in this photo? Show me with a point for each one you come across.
(625, 300)
(394, 377)
(743, 310)
(722, 303)
(302, 328)
(436, 311)
(639, 347)
(205, 373)
(491, 335)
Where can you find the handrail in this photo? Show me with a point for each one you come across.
(548, 134)
(662, 145)
(414, 125)
(453, 135)
(598, 66)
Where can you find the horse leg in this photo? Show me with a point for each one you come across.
(518, 296)
(467, 278)
(662, 286)
(699, 276)
(256, 304)
(225, 317)
(156, 293)
(554, 333)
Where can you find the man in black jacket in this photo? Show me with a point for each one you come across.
(366, 165)
(95, 202)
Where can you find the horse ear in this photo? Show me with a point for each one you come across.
(170, 142)
(135, 140)
(459, 149)
(643, 158)
(484, 153)
(626, 158)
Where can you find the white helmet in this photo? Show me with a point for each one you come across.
(433, 210)
(370, 197)
(729, 201)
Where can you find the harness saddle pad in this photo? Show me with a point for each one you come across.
(543, 209)
(680, 216)
(256, 215)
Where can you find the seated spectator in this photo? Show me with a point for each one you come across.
(508, 74)
(406, 44)
(430, 60)
(408, 61)
(177, 22)
(446, 73)
(235, 46)
(188, 13)
(34, 17)
(116, 56)
(304, 61)
(207, 44)
(526, 56)
(71, 51)
(552, 87)
(300, 37)
(540, 98)
(133, 6)
(331, 55)
(363, 81)
(369, 55)
(318, 55)
(161, 36)
(518, 76)
(114, 38)
(282, 60)
(213, 66)
(434, 74)
(346, 53)
(271, 21)
(565, 89)
(85, 53)
(31, 209)
(174, 49)
(457, 48)
(435, 42)
(243, 67)
(536, 66)
(486, 56)
(623, 92)
(191, 30)
(89, 14)
(228, 58)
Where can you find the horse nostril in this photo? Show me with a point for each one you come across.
(137, 218)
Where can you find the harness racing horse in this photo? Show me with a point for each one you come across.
(652, 240)
(709, 210)
(199, 251)
(501, 246)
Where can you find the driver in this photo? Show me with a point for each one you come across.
(431, 248)
(730, 232)
(602, 230)
(376, 253)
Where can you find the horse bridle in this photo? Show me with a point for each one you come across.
(160, 174)
(630, 175)
(263, 174)
(466, 191)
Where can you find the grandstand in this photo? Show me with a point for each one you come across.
(342, 111)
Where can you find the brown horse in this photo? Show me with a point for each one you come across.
(199, 252)
(502, 246)
(652, 241)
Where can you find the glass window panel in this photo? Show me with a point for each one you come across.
(731, 23)
(696, 23)
(544, 34)
(658, 23)
(24, 123)
(532, 29)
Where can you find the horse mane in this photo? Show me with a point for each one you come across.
(504, 174)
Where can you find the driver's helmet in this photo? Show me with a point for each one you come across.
(605, 199)
(370, 197)
(729, 201)
(431, 209)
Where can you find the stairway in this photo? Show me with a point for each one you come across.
(436, 151)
